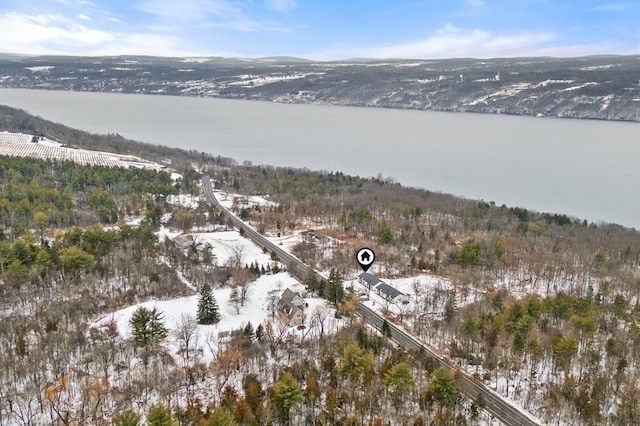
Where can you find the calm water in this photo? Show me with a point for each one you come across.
(587, 169)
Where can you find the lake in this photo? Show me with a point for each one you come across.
(583, 168)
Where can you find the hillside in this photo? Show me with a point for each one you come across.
(543, 308)
(598, 87)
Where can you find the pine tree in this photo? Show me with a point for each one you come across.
(160, 415)
(249, 332)
(259, 332)
(286, 394)
(333, 290)
(208, 312)
(147, 327)
(386, 329)
(126, 418)
(313, 283)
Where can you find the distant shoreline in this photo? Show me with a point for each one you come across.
(543, 165)
(594, 87)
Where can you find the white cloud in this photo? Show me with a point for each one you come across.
(55, 34)
(211, 14)
(476, 3)
(450, 41)
(188, 10)
(281, 5)
(84, 17)
(613, 7)
(20, 29)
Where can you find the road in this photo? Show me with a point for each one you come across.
(495, 404)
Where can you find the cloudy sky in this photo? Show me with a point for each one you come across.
(321, 29)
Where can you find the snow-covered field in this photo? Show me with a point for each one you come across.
(226, 246)
(230, 201)
(23, 145)
(256, 311)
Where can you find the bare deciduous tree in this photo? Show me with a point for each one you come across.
(187, 333)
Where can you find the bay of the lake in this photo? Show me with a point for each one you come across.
(583, 168)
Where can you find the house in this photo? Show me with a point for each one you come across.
(390, 293)
(293, 297)
(369, 279)
(291, 308)
(311, 236)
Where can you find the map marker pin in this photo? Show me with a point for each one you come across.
(365, 258)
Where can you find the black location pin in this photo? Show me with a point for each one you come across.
(365, 258)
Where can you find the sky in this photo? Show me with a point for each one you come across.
(321, 29)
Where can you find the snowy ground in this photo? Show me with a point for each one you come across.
(229, 200)
(256, 311)
(226, 244)
(23, 145)
(185, 200)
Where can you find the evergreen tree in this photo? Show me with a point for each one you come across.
(442, 389)
(248, 332)
(333, 290)
(220, 417)
(313, 283)
(386, 329)
(160, 415)
(400, 381)
(126, 418)
(259, 332)
(147, 327)
(208, 312)
(253, 392)
(286, 394)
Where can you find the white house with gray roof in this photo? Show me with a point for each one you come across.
(383, 289)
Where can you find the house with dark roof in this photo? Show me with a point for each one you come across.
(291, 308)
(293, 297)
(382, 288)
(369, 279)
(391, 294)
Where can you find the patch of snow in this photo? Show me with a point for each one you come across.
(253, 81)
(163, 232)
(548, 82)
(580, 86)
(229, 244)
(256, 311)
(198, 60)
(21, 145)
(409, 64)
(185, 200)
(606, 101)
(40, 68)
(230, 200)
(599, 67)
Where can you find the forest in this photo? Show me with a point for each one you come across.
(542, 306)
